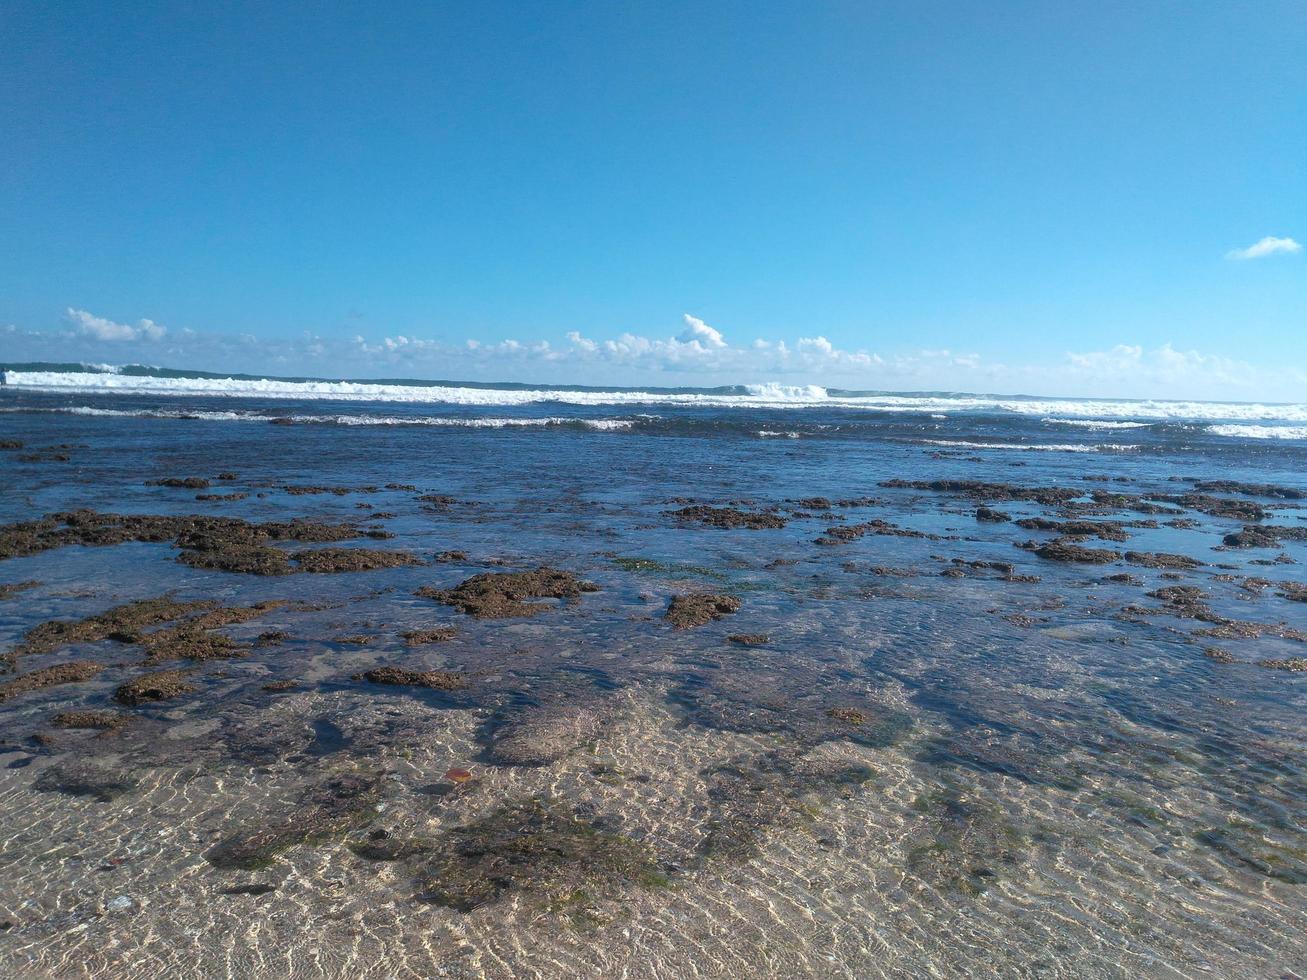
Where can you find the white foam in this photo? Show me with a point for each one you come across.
(1260, 431)
(787, 393)
(771, 396)
(603, 425)
(1098, 423)
(1066, 447)
(773, 434)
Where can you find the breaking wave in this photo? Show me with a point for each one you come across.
(603, 425)
(1092, 413)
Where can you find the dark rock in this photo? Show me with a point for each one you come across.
(843, 533)
(440, 680)
(978, 490)
(1161, 559)
(351, 559)
(181, 482)
(1250, 489)
(158, 686)
(123, 623)
(1106, 530)
(439, 634)
(498, 595)
(69, 673)
(103, 720)
(1239, 510)
(728, 518)
(224, 543)
(1296, 664)
(688, 611)
(1061, 549)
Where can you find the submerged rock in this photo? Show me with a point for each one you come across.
(440, 680)
(539, 849)
(967, 843)
(754, 795)
(850, 716)
(10, 589)
(254, 888)
(387, 848)
(86, 777)
(542, 734)
(124, 623)
(499, 595)
(268, 740)
(226, 543)
(329, 809)
(69, 673)
(688, 611)
(103, 720)
(158, 686)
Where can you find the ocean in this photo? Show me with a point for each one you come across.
(398, 678)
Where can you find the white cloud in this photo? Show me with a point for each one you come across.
(697, 354)
(100, 328)
(696, 331)
(1270, 245)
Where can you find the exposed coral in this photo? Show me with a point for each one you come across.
(351, 559)
(440, 680)
(498, 595)
(687, 611)
(1062, 549)
(438, 634)
(728, 518)
(157, 686)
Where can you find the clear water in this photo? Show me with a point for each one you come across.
(1044, 785)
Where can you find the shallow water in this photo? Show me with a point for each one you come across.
(1026, 777)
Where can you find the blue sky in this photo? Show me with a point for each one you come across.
(1023, 196)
